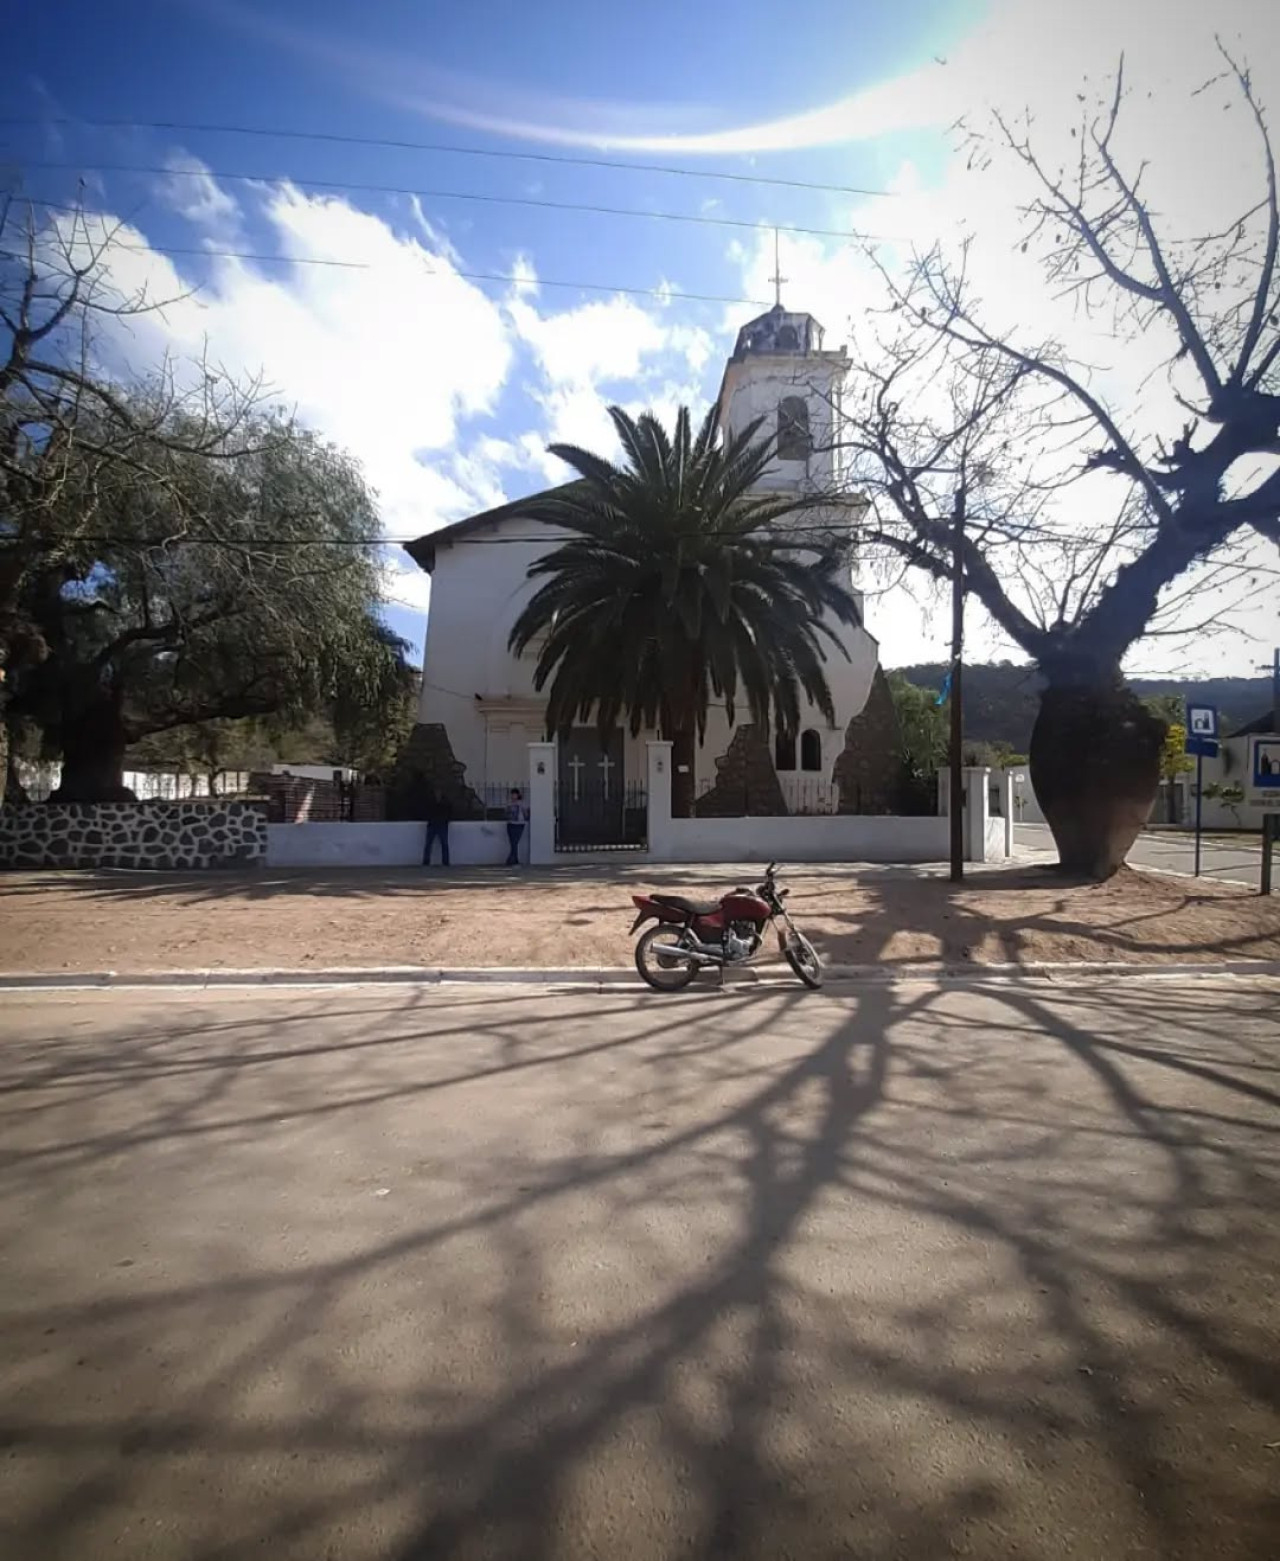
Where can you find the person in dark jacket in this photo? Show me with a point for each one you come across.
(438, 812)
(517, 818)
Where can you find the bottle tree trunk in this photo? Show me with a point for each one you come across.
(93, 748)
(1095, 766)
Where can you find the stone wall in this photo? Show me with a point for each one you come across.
(428, 759)
(746, 781)
(869, 770)
(162, 835)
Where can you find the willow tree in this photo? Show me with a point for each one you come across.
(207, 590)
(1082, 505)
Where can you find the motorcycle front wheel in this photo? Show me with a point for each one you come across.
(663, 972)
(801, 955)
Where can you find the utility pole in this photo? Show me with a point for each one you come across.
(956, 800)
(1275, 689)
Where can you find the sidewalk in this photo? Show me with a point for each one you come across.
(574, 916)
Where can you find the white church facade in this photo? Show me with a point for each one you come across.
(479, 709)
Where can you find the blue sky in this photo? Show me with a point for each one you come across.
(448, 387)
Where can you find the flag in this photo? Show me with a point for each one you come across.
(944, 693)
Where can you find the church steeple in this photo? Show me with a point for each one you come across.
(781, 374)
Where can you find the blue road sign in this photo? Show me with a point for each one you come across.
(1202, 747)
(1266, 765)
(1202, 721)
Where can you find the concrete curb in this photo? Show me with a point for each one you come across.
(599, 978)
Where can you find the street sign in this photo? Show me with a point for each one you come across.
(1264, 771)
(1202, 732)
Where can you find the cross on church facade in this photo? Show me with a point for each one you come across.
(606, 764)
(577, 766)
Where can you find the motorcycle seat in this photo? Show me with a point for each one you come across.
(678, 902)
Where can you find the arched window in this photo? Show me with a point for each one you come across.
(794, 443)
(784, 752)
(787, 340)
(810, 750)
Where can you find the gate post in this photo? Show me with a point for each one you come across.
(977, 810)
(658, 792)
(542, 803)
(1007, 794)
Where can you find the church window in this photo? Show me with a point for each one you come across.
(794, 443)
(784, 752)
(810, 750)
(787, 340)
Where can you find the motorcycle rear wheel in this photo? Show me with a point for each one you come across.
(663, 972)
(801, 955)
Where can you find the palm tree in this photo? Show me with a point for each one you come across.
(675, 589)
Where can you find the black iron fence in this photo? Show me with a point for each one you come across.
(596, 816)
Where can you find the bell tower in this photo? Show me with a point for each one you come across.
(781, 373)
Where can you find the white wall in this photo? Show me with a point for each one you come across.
(384, 845)
(844, 838)
(753, 387)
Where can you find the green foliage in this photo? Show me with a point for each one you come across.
(213, 588)
(922, 724)
(1174, 760)
(678, 587)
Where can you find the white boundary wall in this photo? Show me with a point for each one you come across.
(385, 845)
(828, 839)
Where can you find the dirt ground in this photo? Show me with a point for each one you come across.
(579, 916)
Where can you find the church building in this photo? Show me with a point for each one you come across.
(479, 708)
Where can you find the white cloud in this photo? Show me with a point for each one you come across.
(191, 190)
(387, 352)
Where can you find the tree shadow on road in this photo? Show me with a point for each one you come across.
(747, 1274)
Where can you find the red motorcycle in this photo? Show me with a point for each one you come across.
(693, 935)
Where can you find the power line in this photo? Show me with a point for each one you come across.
(667, 295)
(779, 533)
(449, 148)
(442, 195)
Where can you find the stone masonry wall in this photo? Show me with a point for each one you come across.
(869, 768)
(746, 782)
(161, 835)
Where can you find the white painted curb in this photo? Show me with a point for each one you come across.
(616, 976)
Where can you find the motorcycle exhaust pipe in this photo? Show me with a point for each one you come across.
(698, 958)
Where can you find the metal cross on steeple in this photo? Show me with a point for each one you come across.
(777, 278)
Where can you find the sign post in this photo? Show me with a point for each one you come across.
(1202, 740)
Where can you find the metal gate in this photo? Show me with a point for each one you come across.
(595, 808)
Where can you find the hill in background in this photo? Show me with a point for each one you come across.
(1001, 698)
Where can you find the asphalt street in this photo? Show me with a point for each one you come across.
(903, 1271)
(1239, 860)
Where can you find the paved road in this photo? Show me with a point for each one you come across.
(903, 1273)
(1240, 861)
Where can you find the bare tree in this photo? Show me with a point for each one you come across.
(1088, 517)
(65, 420)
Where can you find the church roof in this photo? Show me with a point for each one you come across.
(423, 549)
(779, 331)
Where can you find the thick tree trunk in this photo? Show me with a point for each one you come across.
(683, 781)
(1095, 766)
(93, 758)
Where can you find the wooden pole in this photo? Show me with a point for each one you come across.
(956, 800)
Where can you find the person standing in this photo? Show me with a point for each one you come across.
(439, 813)
(517, 817)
